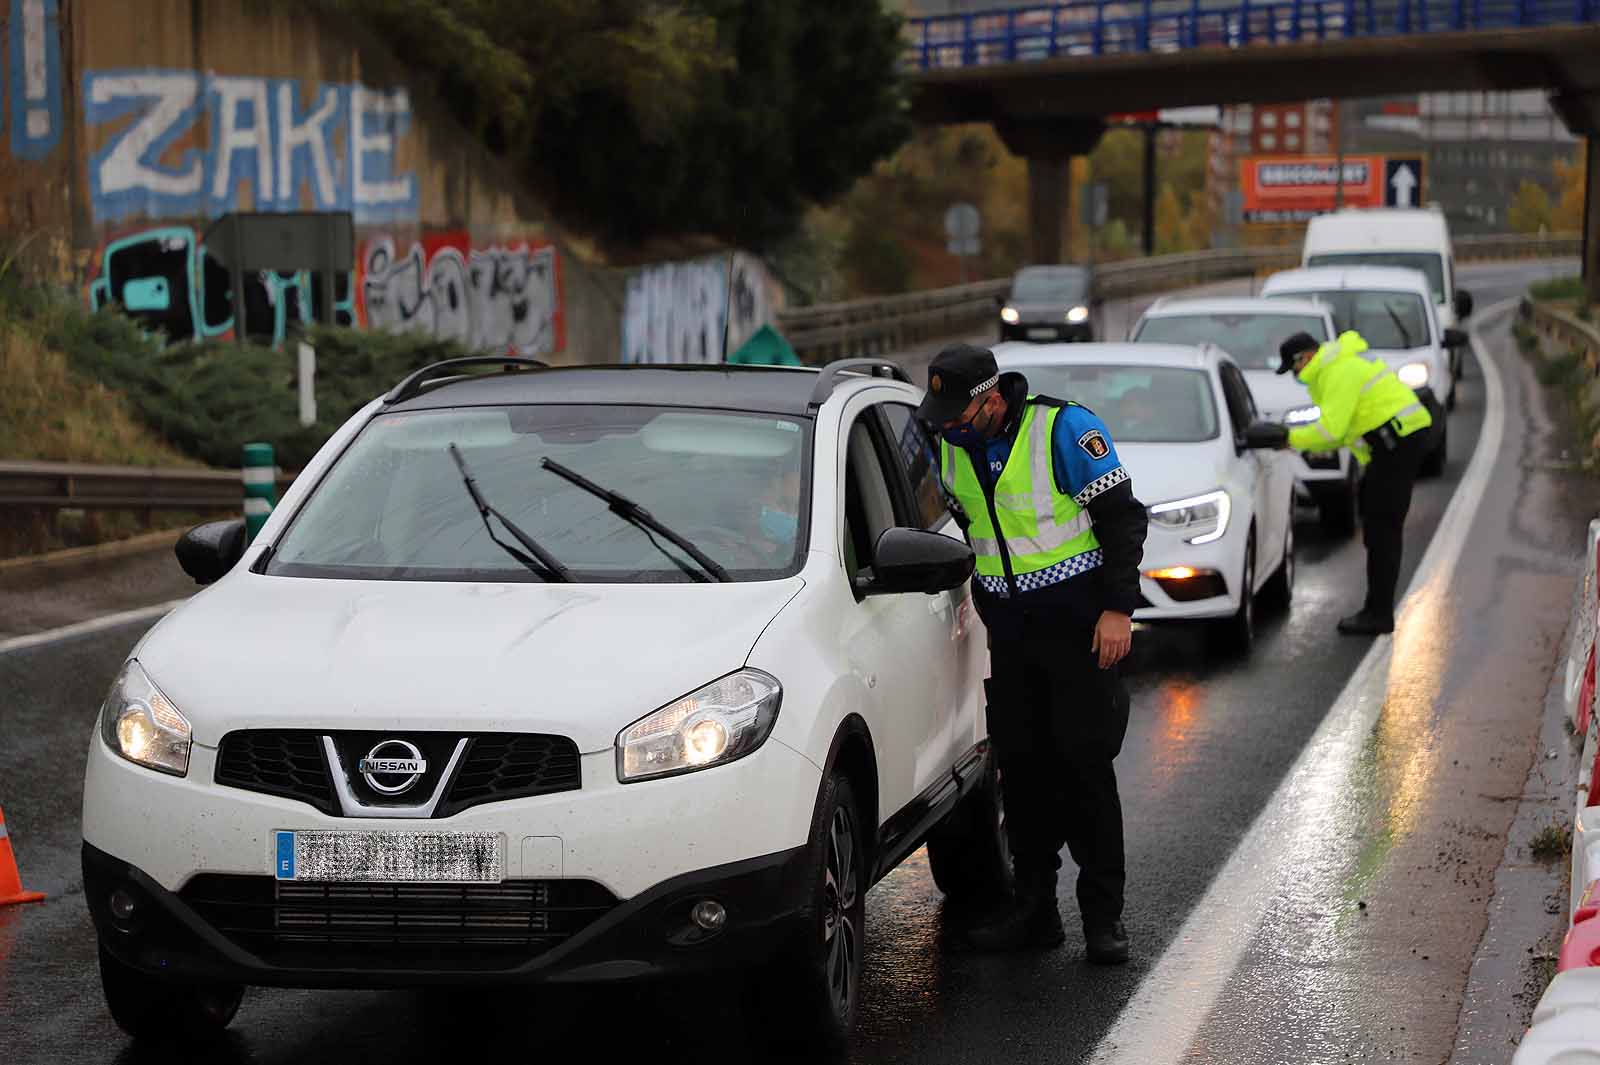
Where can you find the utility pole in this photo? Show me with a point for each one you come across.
(1150, 129)
(1338, 121)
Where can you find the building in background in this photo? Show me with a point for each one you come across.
(1481, 146)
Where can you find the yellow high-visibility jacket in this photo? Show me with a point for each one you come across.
(1355, 396)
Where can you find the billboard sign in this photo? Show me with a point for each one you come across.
(1296, 188)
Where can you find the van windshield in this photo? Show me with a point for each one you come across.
(1431, 263)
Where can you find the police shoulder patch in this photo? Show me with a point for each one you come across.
(1094, 444)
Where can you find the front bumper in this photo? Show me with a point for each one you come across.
(1225, 557)
(188, 938)
(1048, 332)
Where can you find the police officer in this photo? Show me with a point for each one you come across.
(1367, 409)
(1058, 534)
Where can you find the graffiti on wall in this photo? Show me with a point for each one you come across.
(184, 144)
(504, 297)
(677, 312)
(164, 279)
(33, 82)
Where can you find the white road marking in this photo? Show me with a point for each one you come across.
(82, 628)
(1160, 1023)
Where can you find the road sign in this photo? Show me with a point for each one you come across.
(961, 221)
(964, 246)
(1296, 188)
(1402, 182)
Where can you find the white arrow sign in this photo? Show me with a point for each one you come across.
(1404, 183)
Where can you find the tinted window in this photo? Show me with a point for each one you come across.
(394, 506)
(1139, 404)
(1241, 407)
(1385, 319)
(1431, 263)
(921, 462)
(1051, 286)
(1253, 339)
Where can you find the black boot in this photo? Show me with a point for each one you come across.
(1366, 623)
(1107, 944)
(1032, 920)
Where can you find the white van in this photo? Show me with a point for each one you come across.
(1418, 239)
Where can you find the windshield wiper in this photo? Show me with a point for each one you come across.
(631, 512)
(542, 562)
(1405, 334)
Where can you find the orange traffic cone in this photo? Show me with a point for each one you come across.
(10, 883)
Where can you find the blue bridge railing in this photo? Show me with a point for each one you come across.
(1115, 27)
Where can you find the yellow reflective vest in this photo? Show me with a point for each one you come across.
(1356, 396)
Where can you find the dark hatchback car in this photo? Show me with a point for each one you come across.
(1049, 303)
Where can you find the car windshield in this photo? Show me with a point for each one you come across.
(1050, 286)
(1384, 319)
(1139, 404)
(394, 507)
(1252, 339)
(1429, 262)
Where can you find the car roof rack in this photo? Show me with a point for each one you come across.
(413, 384)
(828, 380)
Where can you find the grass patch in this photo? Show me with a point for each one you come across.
(1559, 370)
(1551, 842)
(1558, 288)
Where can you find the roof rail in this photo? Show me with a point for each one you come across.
(414, 382)
(829, 378)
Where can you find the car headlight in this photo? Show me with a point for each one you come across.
(140, 723)
(1202, 519)
(1303, 415)
(1009, 315)
(1078, 314)
(1413, 374)
(722, 722)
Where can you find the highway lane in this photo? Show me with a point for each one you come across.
(1209, 743)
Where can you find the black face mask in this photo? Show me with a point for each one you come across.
(978, 430)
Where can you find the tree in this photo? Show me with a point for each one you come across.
(638, 120)
(1571, 177)
(1169, 221)
(1530, 209)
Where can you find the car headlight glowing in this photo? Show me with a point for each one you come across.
(1413, 374)
(141, 724)
(722, 722)
(1303, 415)
(1078, 314)
(1202, 519)
(1009, 315)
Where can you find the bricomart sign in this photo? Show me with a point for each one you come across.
(1295, 188)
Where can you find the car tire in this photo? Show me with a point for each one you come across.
(1434, 464)
(968, 854)
(1235, 635)
(1336, 509)
(1279, 590)
(148, 1008)
(812, 998)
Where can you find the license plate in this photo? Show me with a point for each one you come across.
(1041, 334)
(414, 857)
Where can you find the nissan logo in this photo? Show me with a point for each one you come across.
(393, 767)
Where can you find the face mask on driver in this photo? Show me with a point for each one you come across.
(779, 526)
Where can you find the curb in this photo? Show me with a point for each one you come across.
(92, 553)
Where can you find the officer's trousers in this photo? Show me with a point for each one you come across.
(1385, 500)
(1057, 721)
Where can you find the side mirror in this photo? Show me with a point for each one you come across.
(1455, 338)
(911, 560)
(207, 552)
(1262, 436)
(1463, 303)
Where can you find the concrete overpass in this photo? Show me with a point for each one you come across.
(1047, 76)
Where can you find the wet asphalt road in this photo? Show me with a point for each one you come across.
(1209, 743)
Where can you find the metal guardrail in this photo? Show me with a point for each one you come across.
(1118, 27)
(1563, 331)
(827, 331)
(56, 485)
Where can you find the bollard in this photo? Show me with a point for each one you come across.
(260, 489)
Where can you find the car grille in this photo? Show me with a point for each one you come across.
(277, 762)
(456, 927)
(496, 766)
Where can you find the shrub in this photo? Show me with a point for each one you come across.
(1557, 288)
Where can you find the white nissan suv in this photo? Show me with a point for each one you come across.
(580, 674)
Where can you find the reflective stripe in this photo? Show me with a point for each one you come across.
(1373, 380)
(1044, 478)
(1402, 412)
(1050, 537)
(1329, 437)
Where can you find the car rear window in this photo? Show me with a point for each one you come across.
(1251, 338)
(394, 507)
(1139, 404)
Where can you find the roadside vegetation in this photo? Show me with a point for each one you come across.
(1552, 842)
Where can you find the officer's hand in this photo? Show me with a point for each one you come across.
(1113, 638)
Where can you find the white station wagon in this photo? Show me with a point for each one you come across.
(582, 674)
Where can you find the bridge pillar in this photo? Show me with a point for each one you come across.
(1581, 113)
(1049, 145)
